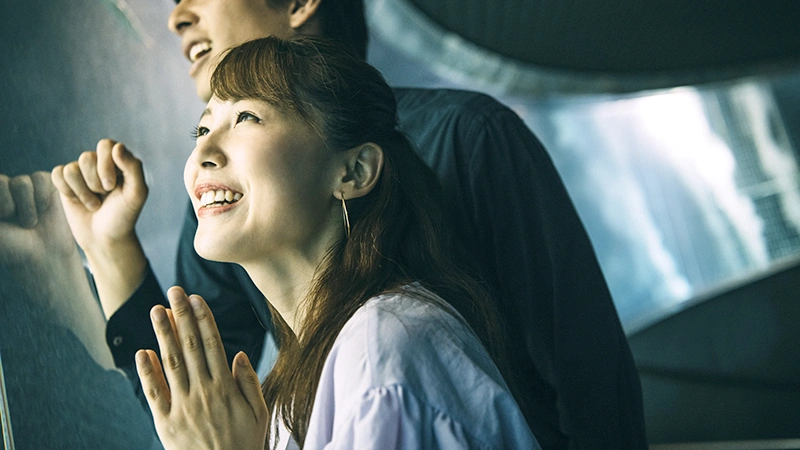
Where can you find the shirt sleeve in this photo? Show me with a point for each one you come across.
(393, 418)
(129, 328)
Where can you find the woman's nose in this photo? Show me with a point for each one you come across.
(208, 154)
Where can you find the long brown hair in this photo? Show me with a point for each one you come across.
(399, 231)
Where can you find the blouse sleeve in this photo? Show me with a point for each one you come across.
(393, 418)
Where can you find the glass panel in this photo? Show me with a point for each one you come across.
(73, 73)
(681, 191)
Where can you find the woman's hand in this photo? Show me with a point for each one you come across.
(204, 405)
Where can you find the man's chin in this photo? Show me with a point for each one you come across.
(204, 92)
(202, 82)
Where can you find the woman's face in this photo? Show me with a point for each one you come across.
(261, 184)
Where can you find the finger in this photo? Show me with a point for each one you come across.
(154, 385)
(189, 335)
(171, 354)
(209, 334)
(106, 169)
(21, 188)
(43, 191)
(134, 186)
(57, 176)
(6, 200)
(249, 385)
(171, 318)
(88, 164)
(76, 183)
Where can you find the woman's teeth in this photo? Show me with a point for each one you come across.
(221, 196)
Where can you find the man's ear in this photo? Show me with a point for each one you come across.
(363, 167)
(303, 14)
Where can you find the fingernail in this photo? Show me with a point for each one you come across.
(141, 357)
(195, 302)
(159, 314)
(243, 360)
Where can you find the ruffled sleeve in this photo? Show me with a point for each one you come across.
(393, 418)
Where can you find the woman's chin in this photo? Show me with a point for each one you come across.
(219, 252)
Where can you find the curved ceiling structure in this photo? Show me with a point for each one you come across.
(550, 46)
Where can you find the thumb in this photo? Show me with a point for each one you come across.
(133, 184)
(247, 380)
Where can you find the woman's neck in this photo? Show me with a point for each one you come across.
(286, 279)
(285, 285)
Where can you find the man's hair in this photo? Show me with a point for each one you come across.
(342, 21)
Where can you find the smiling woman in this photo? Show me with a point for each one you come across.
(280, 171)
(296, 134)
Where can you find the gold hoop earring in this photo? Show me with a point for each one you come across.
(345, 218)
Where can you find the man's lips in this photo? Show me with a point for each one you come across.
(197, 49)
(196, 66)
(194, 47)
(197, 52)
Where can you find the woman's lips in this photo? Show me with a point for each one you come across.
(215, 210)
(215, 199)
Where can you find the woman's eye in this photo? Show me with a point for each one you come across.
(243, 116)
(199, 131)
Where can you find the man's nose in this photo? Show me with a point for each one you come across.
(182, 17)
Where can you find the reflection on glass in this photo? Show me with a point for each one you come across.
(681, 191)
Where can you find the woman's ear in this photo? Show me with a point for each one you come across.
(364, 165)
(303, 13)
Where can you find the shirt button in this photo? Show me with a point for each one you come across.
(117, 341)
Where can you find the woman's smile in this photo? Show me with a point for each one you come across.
(215, 209)
(214, 201)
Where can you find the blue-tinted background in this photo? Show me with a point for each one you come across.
(691, 197)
